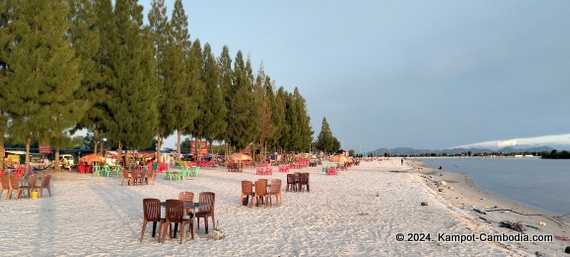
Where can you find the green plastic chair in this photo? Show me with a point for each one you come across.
(181, 175)
(106, 170)
(169, 175)
(96, 170)
(194, 171)
(117, 169)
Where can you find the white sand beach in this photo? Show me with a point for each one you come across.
(357, 213)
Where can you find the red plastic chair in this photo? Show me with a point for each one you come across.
(81, 168)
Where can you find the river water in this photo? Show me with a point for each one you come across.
(540, 183)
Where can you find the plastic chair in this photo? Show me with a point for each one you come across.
(186, 196)
(194, 171)
(304, 182)
(45, 184)
(96, 170)
(260, 192)
(151, 211)
(15, 186)
(5, 185)
(291, 183)
(117, 169)
(126, 177)
(207, 211)
(246, 192)
(106, 170)
(175, 213)
(275, 190)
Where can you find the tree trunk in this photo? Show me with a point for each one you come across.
(57, 168)
(158, 144)
(120, 153)
(27, 161)
(178, 145)
(95, 136)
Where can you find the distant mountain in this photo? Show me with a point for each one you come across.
(454, 151)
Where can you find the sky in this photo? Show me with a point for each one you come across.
(421, 74)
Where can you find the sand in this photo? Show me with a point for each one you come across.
(357, 213)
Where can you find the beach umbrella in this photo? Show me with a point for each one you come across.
(92, 158)
(339, 158)
(240, 157)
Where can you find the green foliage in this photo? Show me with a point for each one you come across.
(43, 74)
(133, 96)
(326, 142)
(212, 110)
(554, 154)
(241, 122)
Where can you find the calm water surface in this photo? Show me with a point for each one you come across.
(542, 184)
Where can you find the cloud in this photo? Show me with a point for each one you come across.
(563, 139)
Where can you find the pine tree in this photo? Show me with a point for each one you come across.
(6, 36)
(304, 122)
(263, 108)
(326, 142)
(176, 67)
(283, 131)
(133, 96)
(160, 31)
(195, 90)
(43, 74)
(213, 110)
(241, 118)
(98, 117)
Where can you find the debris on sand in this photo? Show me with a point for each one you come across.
(517, 226)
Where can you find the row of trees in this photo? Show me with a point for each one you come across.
(86, 64)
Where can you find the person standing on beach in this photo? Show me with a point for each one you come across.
(402, 161)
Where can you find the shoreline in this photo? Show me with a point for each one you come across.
(489, 209)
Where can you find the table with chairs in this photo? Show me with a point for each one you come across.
(298, 182)
(178, 213)
(261, 192)
(134, 177)
(24, 186)
(263, 171)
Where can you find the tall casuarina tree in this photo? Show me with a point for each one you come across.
(213, 110)
(43, 73)
(159, 28)
(303, 122)
(133, 96)
(179, 91)
(6, 36)
(195, 89)
(241, 118)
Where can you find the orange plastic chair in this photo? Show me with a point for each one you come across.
(260, 192)
(5, 185)
(275, 190)
(246, 192)
(15, 186)
(45, 184)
